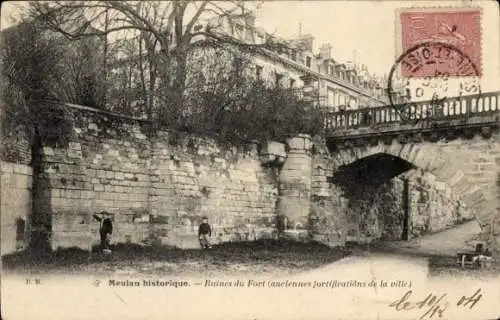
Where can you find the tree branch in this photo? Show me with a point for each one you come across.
(195, 18)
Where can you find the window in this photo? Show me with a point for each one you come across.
(260, 38)
(308, 62)
(292, 83)
(249, 35)
(353, 103)
(330, 97)
(341, 99)
(258, 72)
(279, 78)
(294, 55)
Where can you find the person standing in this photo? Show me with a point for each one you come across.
(105, 231)
(204, 233)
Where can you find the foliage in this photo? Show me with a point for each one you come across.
(81, 72)
(128, 79)
(166, 30)
(28, 75)
(262, 113)
(38, 71)
(224, 98)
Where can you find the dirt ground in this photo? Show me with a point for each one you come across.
(260, 257)
(265, 257)
(440, 264)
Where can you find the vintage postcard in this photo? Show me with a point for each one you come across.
(250, 160)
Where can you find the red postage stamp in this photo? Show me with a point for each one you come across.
(458, 29)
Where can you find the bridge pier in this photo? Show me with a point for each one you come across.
(295, 188)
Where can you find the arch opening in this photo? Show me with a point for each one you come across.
(373, 171)
(389, 198)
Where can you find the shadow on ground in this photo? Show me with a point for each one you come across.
(263, 256)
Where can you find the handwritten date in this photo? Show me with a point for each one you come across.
(433, 306)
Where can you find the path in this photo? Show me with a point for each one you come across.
(448, 242)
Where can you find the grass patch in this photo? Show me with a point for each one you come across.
(262, 256)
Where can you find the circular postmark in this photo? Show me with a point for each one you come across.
(431, 73)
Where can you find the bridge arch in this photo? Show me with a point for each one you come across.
(461, 164)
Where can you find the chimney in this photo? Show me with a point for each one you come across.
(326, 51)
(250, 19)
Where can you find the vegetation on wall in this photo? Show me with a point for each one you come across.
(31, 72)
(224, 97)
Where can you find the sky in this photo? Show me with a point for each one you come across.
(365, 30)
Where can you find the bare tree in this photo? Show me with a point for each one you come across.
(167, 29)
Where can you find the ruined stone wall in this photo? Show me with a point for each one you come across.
(156, 188)
(197, 177)
(15, 205)
(377, 212)
(477, 159)
(329, 219)
(15, 188)
(102, 164)
(431, 205)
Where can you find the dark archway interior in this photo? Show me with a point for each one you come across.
(376, 206)
(371, 171)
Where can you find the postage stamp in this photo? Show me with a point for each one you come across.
(459, 28)
(439, 52)
(438, 62)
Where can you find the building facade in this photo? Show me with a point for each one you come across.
(291, 63)
(294, 63)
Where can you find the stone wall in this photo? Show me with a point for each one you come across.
(294, 205)
(468, 165)
(431, 207)
(368, 212)
(478, 160)
(15, 201)
(101, 165)
(197, 177)
(329, 220)
(156, 188)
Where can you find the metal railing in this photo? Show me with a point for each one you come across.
(462, 107)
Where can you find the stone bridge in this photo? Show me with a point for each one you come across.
(457, 141)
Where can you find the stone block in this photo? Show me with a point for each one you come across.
(6, 167)
(23, 169)
(273, 148)
(101, 173)
(21, 181)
